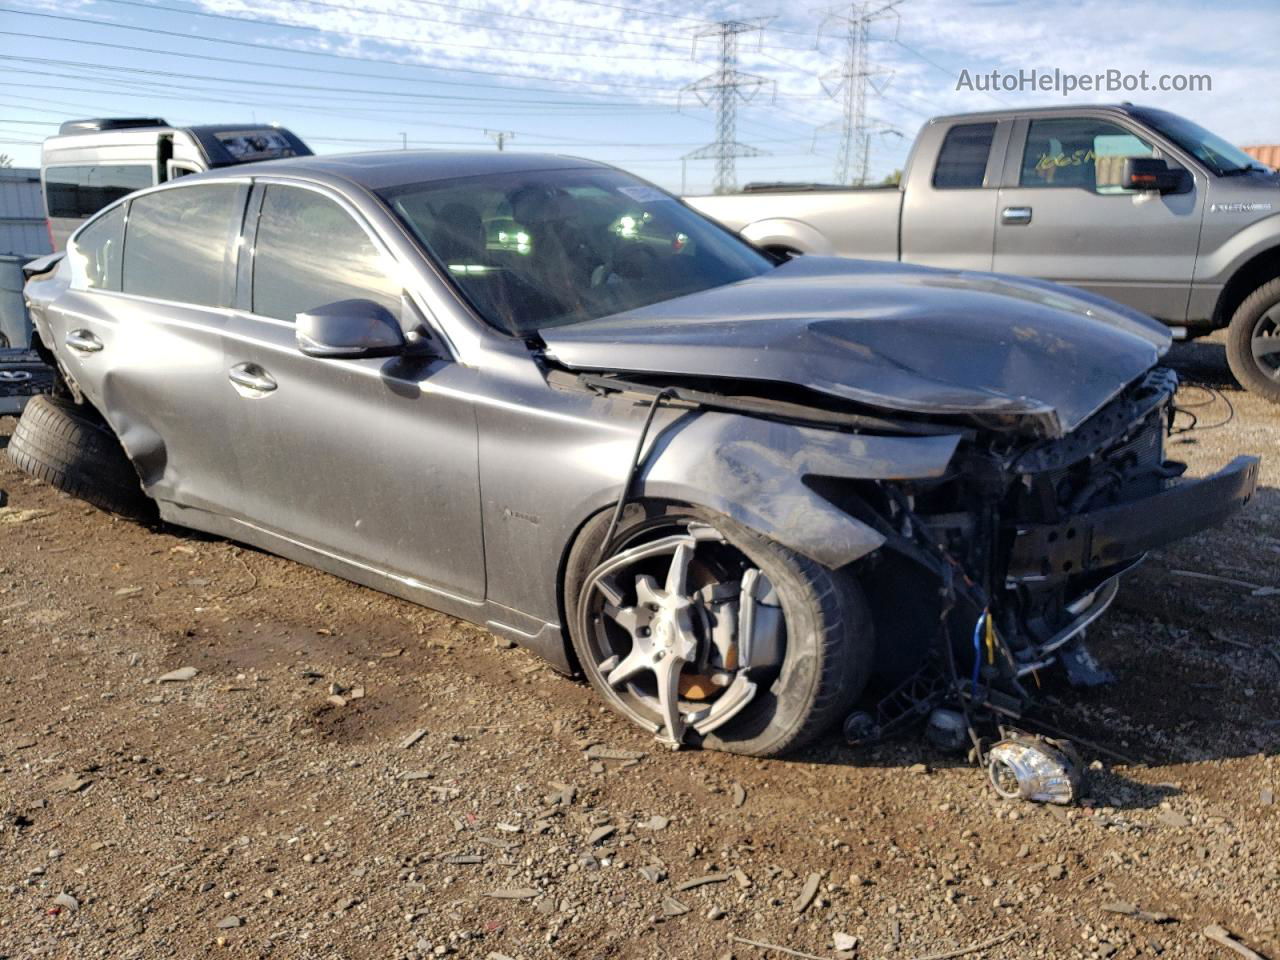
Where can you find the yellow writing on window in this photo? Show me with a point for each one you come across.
(1051, 161)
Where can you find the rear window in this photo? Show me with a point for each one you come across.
(81, 191)
(95, 255)
(247, 146)
(180, 244)
(962, 162)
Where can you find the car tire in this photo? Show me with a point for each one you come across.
(1257, 318)
(830, 644)
(70, 448)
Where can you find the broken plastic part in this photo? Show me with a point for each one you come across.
(947, 730)
(1025, 767)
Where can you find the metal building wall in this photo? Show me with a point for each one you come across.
(22, 226)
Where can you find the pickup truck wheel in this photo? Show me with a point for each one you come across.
(67, 446)
(1253, 341)
(659, 625)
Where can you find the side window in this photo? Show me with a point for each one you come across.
(1079, 152)
(95, 254)
(310, 252)
(81, 191)
(962, 161)
(180, 244)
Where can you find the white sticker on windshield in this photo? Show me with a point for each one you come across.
(644, 194)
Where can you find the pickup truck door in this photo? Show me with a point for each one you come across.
(1063, 215)
(949, 206)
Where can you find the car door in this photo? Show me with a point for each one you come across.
(140, 331)
(372, 462)
(948, 212)
(1063, 215)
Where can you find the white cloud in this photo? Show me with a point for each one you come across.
(646, 59)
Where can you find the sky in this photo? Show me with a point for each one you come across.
(605, 79)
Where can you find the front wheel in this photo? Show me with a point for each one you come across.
(710, 635)
(1253, 341)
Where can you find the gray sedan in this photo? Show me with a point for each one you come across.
(547, 397)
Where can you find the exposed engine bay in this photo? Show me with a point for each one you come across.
(989, 574)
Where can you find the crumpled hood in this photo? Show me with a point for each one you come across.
(899, 337)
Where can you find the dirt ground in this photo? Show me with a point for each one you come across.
(460, 805)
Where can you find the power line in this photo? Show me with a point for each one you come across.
(188, 92)
(725, 87)
(563, 23)
(391, 113)
(144, 82)
(388, 38)
(640, 10)
(506, 136)
(410, 99)
(939, 67)
(277, 49)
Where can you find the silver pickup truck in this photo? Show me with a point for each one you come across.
(1136, 204)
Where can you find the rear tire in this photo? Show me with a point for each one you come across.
(1257, 320)
(68, 447)
(830, 644)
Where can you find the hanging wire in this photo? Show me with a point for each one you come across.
(1187, 409)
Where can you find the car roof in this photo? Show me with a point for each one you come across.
(375, 171)
(1072, 108)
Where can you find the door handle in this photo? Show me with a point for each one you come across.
(1015, 215)
(251, 377)
(82, 341)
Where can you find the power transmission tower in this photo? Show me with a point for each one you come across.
(725, 87)
(500, 137)
(849, 83)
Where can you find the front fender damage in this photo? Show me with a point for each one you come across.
(755, 471)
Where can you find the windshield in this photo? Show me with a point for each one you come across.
(546, 248)
(1214, 152)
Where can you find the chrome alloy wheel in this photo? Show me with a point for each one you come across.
(681, 630)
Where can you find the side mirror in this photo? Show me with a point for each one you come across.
(1151, 173)
(349, 330)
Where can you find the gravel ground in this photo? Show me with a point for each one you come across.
(347, 775)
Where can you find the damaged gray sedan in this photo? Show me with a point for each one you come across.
(546, 397)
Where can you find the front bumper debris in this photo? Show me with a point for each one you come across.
(1084, 611)
(1093, 541)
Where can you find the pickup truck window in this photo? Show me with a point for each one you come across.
(1079, 152)
(962, 161)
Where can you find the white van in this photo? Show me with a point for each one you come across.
(90, 163)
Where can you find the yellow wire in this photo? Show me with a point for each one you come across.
(991, 640)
